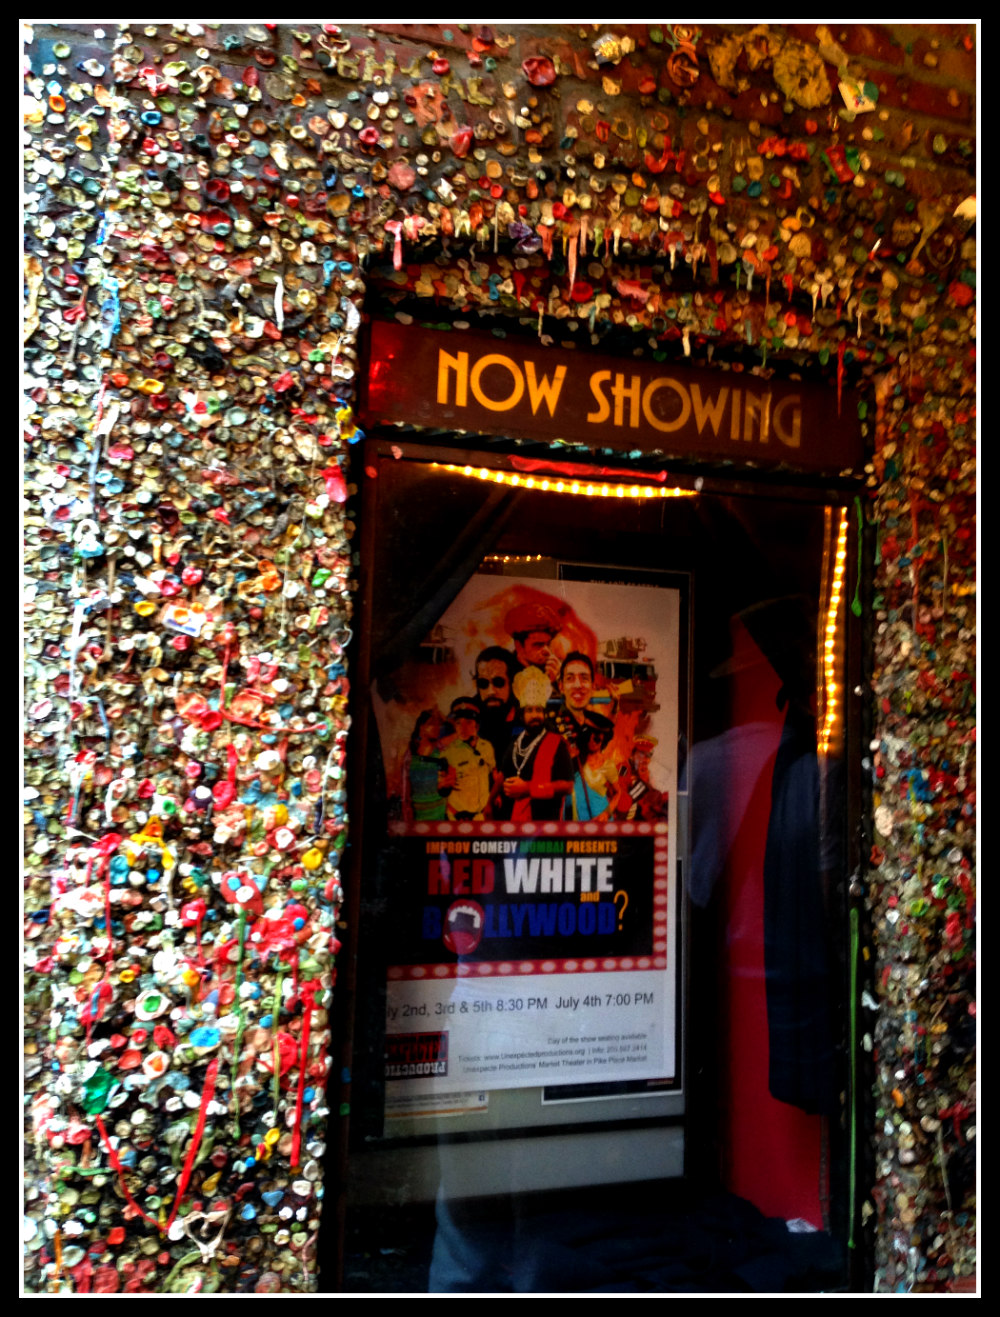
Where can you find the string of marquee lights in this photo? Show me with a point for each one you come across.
(831, 703)
(551, 485)
(514, 557)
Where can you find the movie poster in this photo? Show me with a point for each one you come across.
(530, 754)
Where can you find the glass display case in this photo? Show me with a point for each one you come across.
(601, 859)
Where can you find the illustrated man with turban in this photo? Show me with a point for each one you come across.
(532, 627)
(637, 797)
(537, 769)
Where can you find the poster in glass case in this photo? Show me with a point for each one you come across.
(530, 756)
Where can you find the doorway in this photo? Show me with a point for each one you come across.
(747, 1100)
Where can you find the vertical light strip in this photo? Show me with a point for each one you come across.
(832, 690)
(852, 1117)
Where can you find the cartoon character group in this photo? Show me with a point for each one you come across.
(531, 742)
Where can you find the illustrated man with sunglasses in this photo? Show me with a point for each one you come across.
(495, 669)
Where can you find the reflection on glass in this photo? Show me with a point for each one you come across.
(542, 741)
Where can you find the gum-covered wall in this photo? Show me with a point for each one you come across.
(204, 207)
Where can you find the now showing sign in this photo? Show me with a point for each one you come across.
(468, 381)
